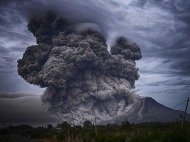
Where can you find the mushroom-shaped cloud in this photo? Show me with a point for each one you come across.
(81, 77)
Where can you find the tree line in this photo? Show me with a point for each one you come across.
(126, 132)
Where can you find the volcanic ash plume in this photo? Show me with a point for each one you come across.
(82, 78)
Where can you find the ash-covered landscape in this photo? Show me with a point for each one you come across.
(94, 71)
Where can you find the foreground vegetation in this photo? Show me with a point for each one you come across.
(144, 132)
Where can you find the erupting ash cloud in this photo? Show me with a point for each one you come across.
(83, 79)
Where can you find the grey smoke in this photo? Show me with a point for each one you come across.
(80, 75)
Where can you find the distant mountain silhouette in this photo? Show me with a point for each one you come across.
(149, 110)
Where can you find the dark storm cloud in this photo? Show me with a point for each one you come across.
(8, 59)
(174, 6)
(182, 68)
(18, 94)
(169, 82)
(7, 64)
(14, 36)
(160, 28)
(71, 10)
(98, 14)
(12, 39)
(3, 50)
(78, 65)
(177, 39)
(177, 58)
(25, 110)
(184, 17)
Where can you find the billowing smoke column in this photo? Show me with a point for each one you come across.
(83, 79)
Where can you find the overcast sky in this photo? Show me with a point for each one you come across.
(160, 28)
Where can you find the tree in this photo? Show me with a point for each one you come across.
(126, 125)
(49, 126)
(65, 125)
(87, 124)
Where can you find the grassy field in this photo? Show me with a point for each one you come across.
(144, 132)
(5, 139)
